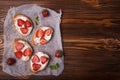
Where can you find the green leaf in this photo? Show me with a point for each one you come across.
(61, 52)
(36, 20)
(54, 67)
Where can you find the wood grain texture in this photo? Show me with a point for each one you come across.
(90, 34)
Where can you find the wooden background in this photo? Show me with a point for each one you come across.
(90, 34)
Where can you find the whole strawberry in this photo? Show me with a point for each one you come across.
(58, 53)
(45, 13)
(11, 61)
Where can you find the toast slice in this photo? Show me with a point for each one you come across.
(23, 24)
(38, 62)
(22, 49)
(42, 36)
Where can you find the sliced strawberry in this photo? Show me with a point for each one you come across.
(20, 22)
(24, 30)
(36, 67)
(48, 32)
(27, 52)
(19, 46)
(35, 59)
(43, 59)
(43, 35)
(18, 54)
(43, 41)
(39, 33)
(28, 23)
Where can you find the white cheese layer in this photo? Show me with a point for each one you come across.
(25, 58)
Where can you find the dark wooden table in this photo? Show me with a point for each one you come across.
(90, 34)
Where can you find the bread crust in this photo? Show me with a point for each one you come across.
(33, 42)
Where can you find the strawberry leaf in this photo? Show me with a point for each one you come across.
(36, 20)
(54, 67)
(61, 52)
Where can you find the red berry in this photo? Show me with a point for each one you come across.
(43, 41)
(27, 23)
(36, 67)
(24, 30)
(45, 13)
(18, 54)
(20, 22)
(11, 61)
(39, 33)
(27, 52)
(48, 32)
(58, 53)
(19, 46)
(35, 59)
(43, 59)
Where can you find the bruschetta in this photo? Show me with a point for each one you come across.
(42, 36)
(39, 61)
(23, 24)
(22, 50)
